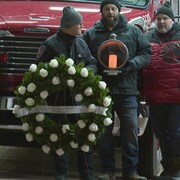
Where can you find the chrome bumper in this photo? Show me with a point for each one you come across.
(7, 103)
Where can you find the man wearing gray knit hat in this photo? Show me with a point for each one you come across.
(67, 42)
(70, 17)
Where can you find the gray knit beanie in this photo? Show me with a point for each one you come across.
(166, 9)
(70, 17)
(115, 2)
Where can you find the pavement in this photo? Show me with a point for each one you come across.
(24, 163)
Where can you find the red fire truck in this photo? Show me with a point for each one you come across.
(25, 24)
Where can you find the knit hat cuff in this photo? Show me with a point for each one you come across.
(115, 2)
(70, 17)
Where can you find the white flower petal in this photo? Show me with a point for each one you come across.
(31, 87)
(85, 148)
(25, 126)
(43, 73)
(84, 72)
(78, 97)
(29, 101)
(29, 137)
(40, 117)
(46, 149)
(33, 68)
(69, 62)
(53, 137)
(107, 121)
(22, 90)
(54, 63)
(44, 94)
(102, 85)
(60, 152)
(81, 124)
(93, 127)
(73, 145)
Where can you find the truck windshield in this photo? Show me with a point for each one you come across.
(126, 3)
(134, 2)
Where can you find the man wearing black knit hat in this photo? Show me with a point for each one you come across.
(66, 42)
(123, 87)
(162, 90)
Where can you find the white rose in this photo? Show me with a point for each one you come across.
(93, 127)
(33, 68)
(22, 90)
(40, 117)
(15, 109)
(81, 124)
(31, 87)
(91, 137)
(107, 121)
(91, 108)
(88, 91)
(85, 148)
(102, 85)
(53, 137)
(53, 63)
(69, 62)
(43, 73)
(29, 137)
(107, 101)
(84, 72)
(78, 97)
(70, 82)
(65, 127)
(56, 80)
(29, 101)
(44, 94)
(60, 152)
(73, 144)
(25, 126)
(39, 130)
(71, 70)
(46, 149)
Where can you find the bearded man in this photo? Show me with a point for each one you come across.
(123, 87)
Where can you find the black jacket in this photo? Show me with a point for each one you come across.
(71, 46)
(74, 48)
(138, 47)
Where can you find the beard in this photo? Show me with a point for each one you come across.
(110, 21)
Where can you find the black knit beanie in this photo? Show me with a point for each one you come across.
(166, 9)
(115, 2)
(70, 17)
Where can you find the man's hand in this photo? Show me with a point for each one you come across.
(129, 67)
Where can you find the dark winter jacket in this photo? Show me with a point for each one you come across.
(162, 76)
(137, 45)
(71, 46)
(74, 48)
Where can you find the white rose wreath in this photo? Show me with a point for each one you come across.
(90, 93)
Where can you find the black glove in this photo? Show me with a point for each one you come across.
(129, 67)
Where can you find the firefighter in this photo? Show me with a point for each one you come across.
(123, 87)
(66, 42)
(162, 89)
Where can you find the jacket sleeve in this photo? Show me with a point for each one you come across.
(90, 61)
(143, 51)
(44, 53)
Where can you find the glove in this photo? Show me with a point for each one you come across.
(129, 67)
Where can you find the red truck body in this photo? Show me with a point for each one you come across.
(25, 24)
